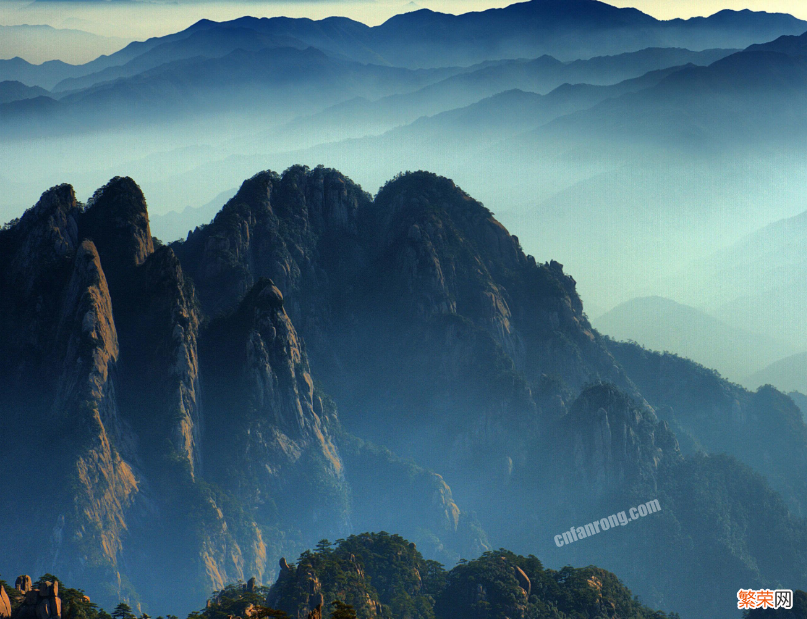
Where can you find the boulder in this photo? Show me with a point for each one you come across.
(23, 583)
(284, 565)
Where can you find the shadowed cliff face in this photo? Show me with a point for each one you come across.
(62, 379)
(417, 307)
(153, 412)
(101, 362)
(615, 443)
(173, 397)
(270, 441)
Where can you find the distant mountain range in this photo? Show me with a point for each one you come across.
(17, 91)
(39, 44)
(759, 281)
(789, 374)
(664, 325)
(568, 30)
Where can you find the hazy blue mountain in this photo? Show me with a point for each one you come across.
(175, 225)
(702, 139)
(788, 374)
(664, 325)
(45, 75)
(759, 281)
(201, 43)
(17, 91)
(286, 81)
(425, 121)
(790, 45)
(423, 38)
(801, 401)
(39, 43)
(566, 30)
(764, 429)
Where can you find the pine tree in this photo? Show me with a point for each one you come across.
(342, 610)
(123, 611)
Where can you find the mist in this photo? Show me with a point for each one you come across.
(468, 279)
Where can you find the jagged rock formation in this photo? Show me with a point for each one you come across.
(271, 438)
(616, 443)
(194, 379)
(422, 277)
(23, 583)
(40, 603)
(106, 347)
(75, 311)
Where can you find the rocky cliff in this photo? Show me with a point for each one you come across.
(316, 361)
(182, 444)
(423, 278)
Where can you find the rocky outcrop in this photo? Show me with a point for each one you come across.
(281, 228)
(38, 258)
(86, 399)
(23, 583)
(379, 574)
(117, 221)
(616, 442)
(272, 437)
(523, 580)
(304, 581)
(420, 290)
(40, 603)
(5, 604)
(108, 327)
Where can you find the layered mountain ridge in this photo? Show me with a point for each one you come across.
(190, 394)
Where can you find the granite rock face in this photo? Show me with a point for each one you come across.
(161, 396)
(617, 442)
(42, 602)
(205, 377)
(420, 291)
(5, 604)
(273, 441)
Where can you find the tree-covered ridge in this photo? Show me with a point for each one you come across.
(379, 574)
(383, 575)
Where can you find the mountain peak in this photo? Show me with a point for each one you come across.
(117, 220)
